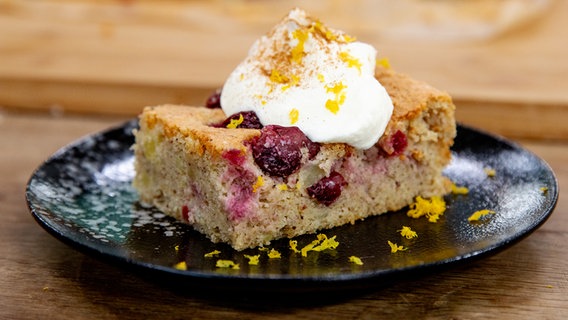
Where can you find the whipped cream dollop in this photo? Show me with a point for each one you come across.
(305, 74)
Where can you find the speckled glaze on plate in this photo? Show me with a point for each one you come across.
(82, 195)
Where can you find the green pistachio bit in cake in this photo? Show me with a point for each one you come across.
(544, 190)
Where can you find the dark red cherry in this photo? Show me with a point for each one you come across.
(235, 156)
(327, 189)
(185, 213)
(395, 144)
(277, 151)
(399, 143)
(214, 100)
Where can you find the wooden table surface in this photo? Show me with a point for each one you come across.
(114, 56)
(42, 278)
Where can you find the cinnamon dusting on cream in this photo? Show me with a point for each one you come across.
(305, 74)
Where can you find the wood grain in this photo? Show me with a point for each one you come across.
(43, 278)
(118, 56)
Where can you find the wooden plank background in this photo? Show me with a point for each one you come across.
(118, 56)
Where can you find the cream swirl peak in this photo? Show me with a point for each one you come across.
(305, 74)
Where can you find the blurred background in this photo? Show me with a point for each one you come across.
(503, 61)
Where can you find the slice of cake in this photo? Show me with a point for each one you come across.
(263, 172)
(208, 177)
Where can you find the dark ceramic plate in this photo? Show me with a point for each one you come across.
(82, 196)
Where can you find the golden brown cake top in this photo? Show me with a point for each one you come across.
(408, 96)
(195, 122)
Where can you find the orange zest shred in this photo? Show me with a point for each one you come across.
(276, 76)
(356, 260)
(227, 264)
(298, 51)
(408, 233)
(320, 27)
(351, 61)
(395, 247)
(384, 62)
(211, 254)
(235, 122)
(347, 38)
(459, 190)
(274, 254)
(338, 90)
(294, 115)
(294, 246)
(252, 260)
(477, 215)
(280, 78)
(308, 247)
(330, 35)
(181, 265)
(490, 172)
(332, 106)
(326, 243)
(432, 208)
(320, 244)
